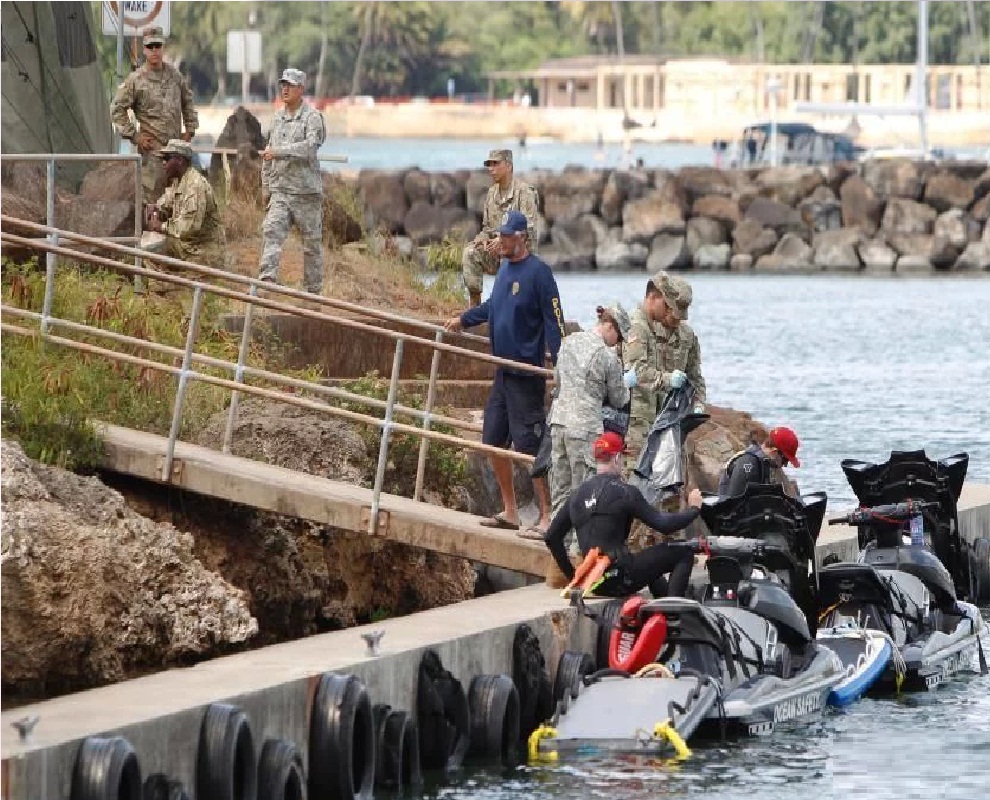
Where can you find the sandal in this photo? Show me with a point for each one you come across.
(499, 521)
(532, 533)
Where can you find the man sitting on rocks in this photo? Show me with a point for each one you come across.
(187, 212)
(481, 255)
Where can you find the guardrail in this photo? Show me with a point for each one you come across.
(240, 369)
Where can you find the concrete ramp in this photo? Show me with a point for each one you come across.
(334, 503)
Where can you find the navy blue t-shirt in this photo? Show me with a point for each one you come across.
(523, 312)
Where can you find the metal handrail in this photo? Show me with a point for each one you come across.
(233, 277)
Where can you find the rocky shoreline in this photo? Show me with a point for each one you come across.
(879, 216)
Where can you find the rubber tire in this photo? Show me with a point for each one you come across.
(106, 769)
(529, 673)
(341, 740)
(493, 703)
(159, 786)
(571, 668)
(606, 622)
(442, 716)
(398, 765)
(280, 772)
(979, 565)
(226, 765)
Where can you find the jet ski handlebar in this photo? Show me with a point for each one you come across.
(890, 512)
(733, 545)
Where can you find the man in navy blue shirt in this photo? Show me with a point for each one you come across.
(525, 320)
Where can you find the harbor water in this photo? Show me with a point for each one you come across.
(857, 366)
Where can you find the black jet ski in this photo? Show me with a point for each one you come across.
(912, 571)
(743, 659)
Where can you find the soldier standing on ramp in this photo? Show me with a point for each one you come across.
(481, 255)
(161, 101)
(292, 184)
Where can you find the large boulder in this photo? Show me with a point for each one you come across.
(621, 187)
(953, 226)
(895, 177)
(789, 184)
(702, 231)
(476, 189)
(741, 262)
(753, 239)
(876, 255)
(384, 199)
(447, 189)
(668, 251)
(821, 215)
(94, 592)
(907, 216)
(669, 188)
(913, 263)
(945, 190)
(793, 251)
(981, 209)
(644, 218)
(614, 253)
(573, 192)
(101, 218)
(937, 250)
(860, 205)
(416, 184)
(976, 256)
(700, 181)
(425, 223)
(774, 214)
(712, 256)
(837, 249)
(579, 237)
(339, 227)
(718, 207)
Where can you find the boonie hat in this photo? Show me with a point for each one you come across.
(514, 222)
(676, 292)
(607, 445)
(620, 315)
(494, 156)
(154, 36)
(294, 76)
(178, 147)
(786, 442)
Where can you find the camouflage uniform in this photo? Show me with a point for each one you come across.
(161, 101)
(588, 374)
(295, 185)
(475, 261)
(193, 229)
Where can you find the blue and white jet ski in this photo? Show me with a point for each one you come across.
(905, 586)
(743, 659)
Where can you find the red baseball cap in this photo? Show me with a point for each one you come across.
(607, 445)
(786, 442)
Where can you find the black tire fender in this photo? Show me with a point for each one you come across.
(159, 786)
(341, 740)
(493, 703)
(606, 622)
(571, 668)
(442, 716)
(226, 764)
(280, 771)
(529, 673)
(106, 769)
(979, 566)
(398, 767)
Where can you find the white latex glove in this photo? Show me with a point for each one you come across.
(629, 379)
(677, 379)
(699, 408)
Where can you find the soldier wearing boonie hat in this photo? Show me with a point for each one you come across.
(480, 256)
(162, 103)
(292, 184)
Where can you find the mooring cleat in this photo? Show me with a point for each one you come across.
(373, 639)
(25, 726)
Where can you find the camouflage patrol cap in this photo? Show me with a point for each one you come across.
(619, 315)
(176, 147)
(494, 156)
(154, 36)
(294, 76)
(676, 292)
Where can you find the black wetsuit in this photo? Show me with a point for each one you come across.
(752, 465)
(602, 510)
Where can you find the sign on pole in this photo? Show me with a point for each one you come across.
(244, 47)
(138, 15)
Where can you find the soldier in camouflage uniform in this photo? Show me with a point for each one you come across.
(292, 183)
(161, 101)
(480, 256)
(187, 213)
(588, 374)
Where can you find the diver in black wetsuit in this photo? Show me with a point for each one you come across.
(602, 511)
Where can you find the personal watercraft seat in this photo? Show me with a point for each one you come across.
(894, 602)
(920, 563)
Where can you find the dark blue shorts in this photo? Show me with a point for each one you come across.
(515, 414)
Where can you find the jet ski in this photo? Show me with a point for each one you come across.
(911, 573)
(741, 660)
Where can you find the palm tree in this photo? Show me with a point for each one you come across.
(369, 17)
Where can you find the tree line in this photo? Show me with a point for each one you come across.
(398, 49)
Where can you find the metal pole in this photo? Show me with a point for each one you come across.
(386, 432)
(120, 57)
(773, 84)
(235, 397)
(245, 75)
(46, 308)
(180, 393)
(424, 443)
(921, 75)
(139, 283)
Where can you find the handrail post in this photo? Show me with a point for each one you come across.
(235, 397)
(393, 389)
(46, 308)
(424, 443)
(139, 282)
(180, 393)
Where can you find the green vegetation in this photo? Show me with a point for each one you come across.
(412, 48)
